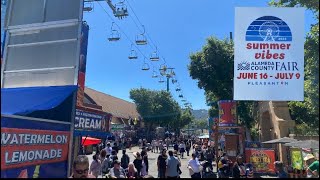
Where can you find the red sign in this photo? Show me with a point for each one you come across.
(26, 147)
(261, 159)
(227, 112)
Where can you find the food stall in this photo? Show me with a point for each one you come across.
(36, 131)
(90, 123)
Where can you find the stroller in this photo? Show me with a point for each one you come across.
(207, 170)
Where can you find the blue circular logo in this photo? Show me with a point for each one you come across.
(268, 28)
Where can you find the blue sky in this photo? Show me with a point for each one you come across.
(177, 27)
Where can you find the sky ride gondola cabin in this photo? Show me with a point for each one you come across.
(133, 54)
(115, 35)
(154, 56)
(154, 74)
(141, 38)
(161, 80)
(121, 10)
(145, 66)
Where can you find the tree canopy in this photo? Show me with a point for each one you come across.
(159, 108)
(213, 68)
(306, 113)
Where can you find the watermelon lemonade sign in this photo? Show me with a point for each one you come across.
(269, 59)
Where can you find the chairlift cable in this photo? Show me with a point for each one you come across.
(121, 30)
(141, 24)
(139, 29)
(147, 34)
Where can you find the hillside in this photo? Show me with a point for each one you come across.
(200, 114)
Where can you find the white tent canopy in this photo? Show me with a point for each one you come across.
(204, 136)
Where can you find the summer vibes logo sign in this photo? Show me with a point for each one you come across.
(269, 59)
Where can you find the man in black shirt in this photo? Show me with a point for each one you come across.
(162, 165)
(223, 166)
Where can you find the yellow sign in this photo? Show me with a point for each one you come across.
(296, 159)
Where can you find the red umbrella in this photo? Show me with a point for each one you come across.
(90, 141)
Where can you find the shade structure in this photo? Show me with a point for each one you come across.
(280, 140)
(312, 144)
(90, 141)
(204, 137)
(25, 100)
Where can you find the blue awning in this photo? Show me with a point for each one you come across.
(95, 134)
(22, 101)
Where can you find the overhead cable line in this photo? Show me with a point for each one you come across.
(148, 36)
(121, 30)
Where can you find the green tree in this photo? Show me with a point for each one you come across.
(156, 107)
(213, 68)
(185, 119)
(307, 112)
(201, 124)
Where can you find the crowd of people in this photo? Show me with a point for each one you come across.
(109, 163)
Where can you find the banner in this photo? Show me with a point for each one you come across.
(34, 149)
(90, 123)
(261, 159)
(83, 54)
(269, 54)
(83, 62)
(227, 113)
(296, 159)
(212, 121)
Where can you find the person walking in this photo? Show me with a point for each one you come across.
(188, 147)
(113, 157)
(161, 147)
(140, 143)
(106, 165)
(131, 171)
(108, 148)
(95, 167)
(182, 148)
(117, 171)
(175, 154)
(194, 167)
(138, 163)
(172, 166)
(157, 145)
(312, 165)
(239, 169)
(145, 160)
(115, 147)
(223, 166)
(176, 146)
(103, 155)
(125, 159)
(279, 168)
(161, 164)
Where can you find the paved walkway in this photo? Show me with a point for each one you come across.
(153, 161)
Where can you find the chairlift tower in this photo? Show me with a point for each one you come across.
(169, 75)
